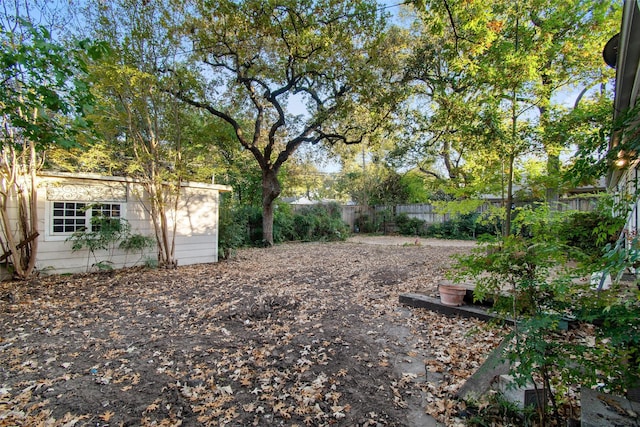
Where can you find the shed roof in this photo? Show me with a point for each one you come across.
(98, 177)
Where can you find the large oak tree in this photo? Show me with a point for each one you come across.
(300, 72)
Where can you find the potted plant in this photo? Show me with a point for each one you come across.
(451, 294)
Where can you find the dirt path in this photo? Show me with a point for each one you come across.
(411, 241)
(298, 334)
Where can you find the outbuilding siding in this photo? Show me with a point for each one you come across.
(196, 220)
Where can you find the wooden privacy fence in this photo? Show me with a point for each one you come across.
(355, 215)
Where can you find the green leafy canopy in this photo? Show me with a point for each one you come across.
(45, 94)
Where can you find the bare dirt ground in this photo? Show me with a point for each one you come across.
(298, 334)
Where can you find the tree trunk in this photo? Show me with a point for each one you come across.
(270, 192)
(446, 157)
(553, 171)
(19, 182)
(159, 201)
(506, 231)
(32, 245)
(551, 147)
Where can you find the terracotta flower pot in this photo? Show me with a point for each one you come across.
(452, 294)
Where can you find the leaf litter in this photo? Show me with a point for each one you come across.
(298, 334)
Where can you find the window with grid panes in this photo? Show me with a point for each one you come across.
(105, 210)
(69, 217)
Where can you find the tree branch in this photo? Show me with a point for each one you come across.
(224, 116)
(453, 25)
(429, 172)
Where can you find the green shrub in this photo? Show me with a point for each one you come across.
(408, 226)
(232, 229)
(241, 226)
(320, 222)
(364, 224)
(462, 227)
(495, 409)
(252, 216)
(529, 278)
(137, 243)
(590, 231)
(283, 224)
(374, 224)
(303, 225)
(107, 234)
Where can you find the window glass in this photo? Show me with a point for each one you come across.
(69, 217)
(105, 210)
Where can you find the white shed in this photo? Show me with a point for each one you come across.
(66, 203)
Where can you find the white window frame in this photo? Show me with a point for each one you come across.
(51, 235)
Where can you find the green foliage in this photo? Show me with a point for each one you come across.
(241, 226)
(389, 189)
(245, 227)
(252, 215)
(463, 227)
(45, 92)
(45, 100)
(494, 409)
(336, 59)
(617, 311)
(491, 104)
(283, 222)
(520, 274)
(595, 157)
(467, 222)
(374, 223)
(491, 221)
(528, 277)
(514, 265)
(137, 243)
(590, 231)
(415, 186)
(458, 207)
(588, 127)
(408, 226)
(106, 234)
(320, 222)
(365, 224)
(232, 228)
